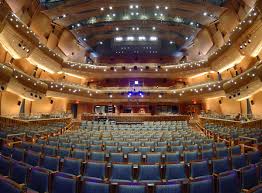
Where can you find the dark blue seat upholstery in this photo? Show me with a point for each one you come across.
(190, 156)
(172, 157)
(235, 150)
(254, 157)
(227, 182)
(220, 165)
(19, 172)
(161, 149)
(222, 152)
(178, 148)
(149, 173)
(208, 146)
(110, 148)
(127, 149)
(256, 189)
(72, 166)
(238, 161)
(144, 150)
(220, 145)
(95, 170)
(5, 165)
(18, 154)
(134, 157)
(39, 180)
(50, 163)
(116, 157)
(63, 152)
(201, 185)
(198, 169)
(9, 186)
(249, 176)
(6, 150)
(122, 172)
(98, 156)
(153, 158)
(132, 188)
(89, 186)
(32, 158)
(64, 183)
(37, 148)
(95, 147)
(79, 154)
(169, 188)
(207, 155)
(175, 172)
(49, 150)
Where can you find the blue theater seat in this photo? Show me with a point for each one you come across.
(72, 166)
(39, 180)
(89, 186)
(132, 188)
(227, 182)
(254, 157)
(134, 157)
(169, 188)
(98, 156)
(207, 155)
(249, 176)
(63, 152)
(222, 152)
(79, 154)
(5, 165)
(149, 173)
(49, 150)
(238, 161)
(190, 156)
(19, 172)
(220, 165)
(95, 170)
(116, 157)
(64, 183)
(172, 157)
(152, 158)
(127, 149)
(122, 173)
(32, 158)
(50, 163)
(199, 169)
(9, 186)
(6, 150)
(235, 150)
(201, 185)
(18, 154)
(175, 172)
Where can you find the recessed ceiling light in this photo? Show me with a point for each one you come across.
(154, 28)
(110, 7)
(132, 13)
(137, 6)
(205, 13)
(166, 7)
(114, 14)
(157, 7)
(131, 6)
(117, 28)
(102, 8)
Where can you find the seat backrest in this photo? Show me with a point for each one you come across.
(220, 165)
(172, 157)
(249, 176)
(39, 180)
(254, 157)
(63, 152)
(72, 166)
(149, 172)
(207, 154)
(98, 156)
(238, 161)
(222, 152)
(9, 186)
(169, 188)
(95, 170)
(132, 188)
(94, 187)
(51, 163)
(5, 165)
(32, 158)
(200, 185)
(153, 158)
(64, 183)
(79, 154)
(190, 156)
(122, 172)
(134, 157)
(116, 157)
(199, 168)
(19, 172)
(175, 171)
(226, 180)
(235, 150)
(18, 154)
(50, 150)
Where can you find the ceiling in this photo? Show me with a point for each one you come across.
(134, 28)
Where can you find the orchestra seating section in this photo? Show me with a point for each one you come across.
(149, 157)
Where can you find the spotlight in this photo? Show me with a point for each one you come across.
(51, 102)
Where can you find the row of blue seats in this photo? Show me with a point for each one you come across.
(136, 157)
(42, 180)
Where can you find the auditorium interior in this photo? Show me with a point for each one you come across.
(130, 96)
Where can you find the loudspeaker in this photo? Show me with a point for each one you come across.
(2, 88)
(252, 102)
(51, 102)
(19, 103)
(220, 102)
